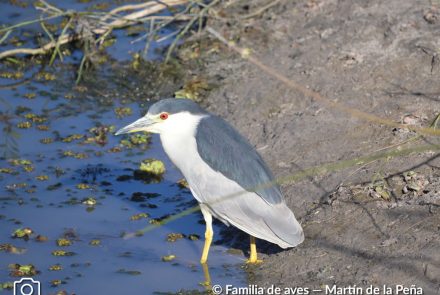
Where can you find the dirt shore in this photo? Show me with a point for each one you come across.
(370, 223)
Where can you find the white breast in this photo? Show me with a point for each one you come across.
(178, 139)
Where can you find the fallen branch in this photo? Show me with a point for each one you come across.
(116, 10)
(37, 51)
(135, 16)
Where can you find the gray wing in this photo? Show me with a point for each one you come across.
(226, 151)
(274, 223)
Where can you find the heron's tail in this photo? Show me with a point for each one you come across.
(271, 222)
(285, 226)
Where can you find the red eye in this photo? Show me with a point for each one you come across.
(164, 116)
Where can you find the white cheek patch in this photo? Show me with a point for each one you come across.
(184, 124)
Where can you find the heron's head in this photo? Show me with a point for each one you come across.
(166, 115)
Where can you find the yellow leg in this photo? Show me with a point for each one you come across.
(207, 282)
(208, 239)
(208, 233)
(253, 256)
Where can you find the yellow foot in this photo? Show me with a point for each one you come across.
(253, 253)
(254, 261)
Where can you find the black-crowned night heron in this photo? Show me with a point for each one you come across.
(225, 173)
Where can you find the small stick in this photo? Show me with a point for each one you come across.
(5, 36)
(49, 6)
(81, 68)
(167, 36)
(149, 39)
(52, 39)
(25, 23)
(57, 46)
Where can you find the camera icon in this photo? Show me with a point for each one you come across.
(27, 286)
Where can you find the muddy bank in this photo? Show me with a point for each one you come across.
(370, 223)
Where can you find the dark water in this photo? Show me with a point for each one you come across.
(47, 192)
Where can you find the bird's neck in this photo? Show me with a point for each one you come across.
(179, 141)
